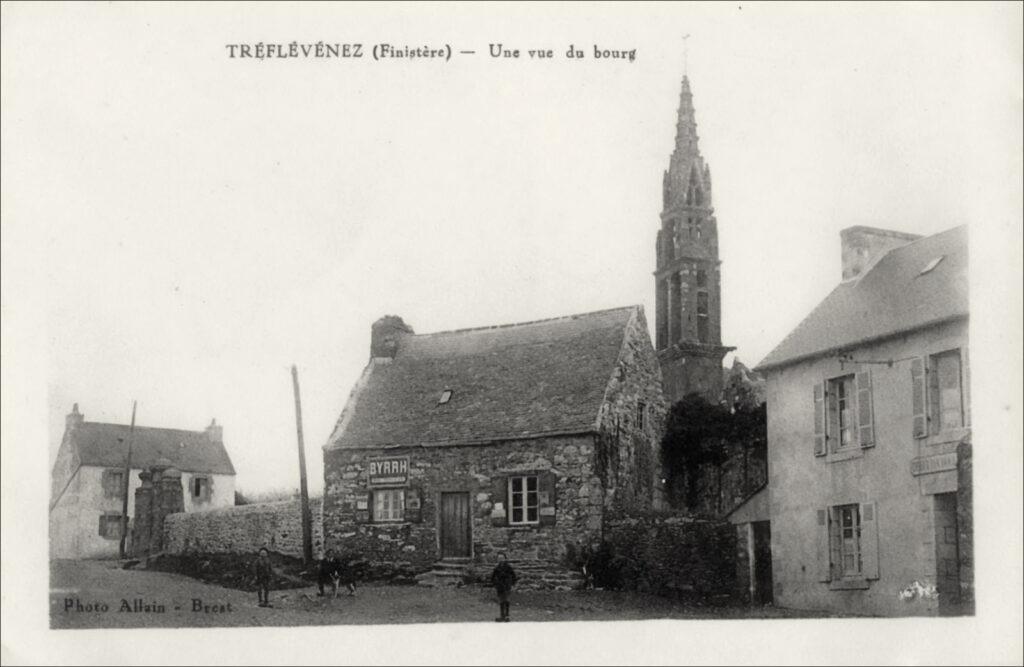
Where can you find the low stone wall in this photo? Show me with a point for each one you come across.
(243, 529)
(675, 556)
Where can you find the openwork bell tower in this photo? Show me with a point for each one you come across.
(687, 279)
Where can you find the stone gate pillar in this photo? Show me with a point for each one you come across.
(143, 515)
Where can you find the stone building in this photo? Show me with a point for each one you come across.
(88, 479)
(688, 289)
(519, 438)
(869, 435)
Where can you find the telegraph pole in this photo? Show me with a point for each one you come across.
(127, 480)
(307, 528)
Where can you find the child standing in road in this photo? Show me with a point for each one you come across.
(264, 573)
(503, 578)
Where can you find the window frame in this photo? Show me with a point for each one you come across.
(852, 546)
(110, 489)
(106, 520)
(703, 308)
(934, 391)
(202, 484)
(392, 517)
(834, 413)
(641, 422)
(524, 494)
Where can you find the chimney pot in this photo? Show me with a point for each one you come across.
(863, 246)
(385, 335)
(74, 418)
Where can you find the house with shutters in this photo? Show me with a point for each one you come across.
(88, 479)
(869, 493)
(518, 438)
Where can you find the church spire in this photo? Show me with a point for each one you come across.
(688, 334)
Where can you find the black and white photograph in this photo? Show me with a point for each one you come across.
(512, 333)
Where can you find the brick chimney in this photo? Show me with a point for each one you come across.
(385, 335)
(74, 419)
(215, 432)
(863, 246)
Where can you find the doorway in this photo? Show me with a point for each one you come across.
(947, 553)
(455, 535)
(762, 562)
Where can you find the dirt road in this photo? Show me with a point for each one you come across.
(98, 594)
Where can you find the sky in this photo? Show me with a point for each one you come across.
(181, 227)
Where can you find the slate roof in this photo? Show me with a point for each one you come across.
(507, 382)
(189, 451)
(892, 297)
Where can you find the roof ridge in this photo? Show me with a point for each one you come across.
(521, 324)
(138, 427)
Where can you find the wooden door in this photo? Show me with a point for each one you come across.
(762, 562)
(455, 525)
(947, 553)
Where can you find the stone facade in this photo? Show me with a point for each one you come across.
(566, 469)
(607, 467)
(242, 530)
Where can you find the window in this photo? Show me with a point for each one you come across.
(110, 525)
(841, 423)
(845, 534)
(446, 396)
(702, 278)
(523, 500)
(389, 505)
(640, 408)
(200, 487)
(113, 483)
(702, 316)
(945, 394)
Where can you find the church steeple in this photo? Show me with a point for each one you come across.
(688, 291)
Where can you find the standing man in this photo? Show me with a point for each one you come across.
(503, 578)
(264, 572)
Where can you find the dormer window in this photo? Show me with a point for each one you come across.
(932, 264)
(446, 396)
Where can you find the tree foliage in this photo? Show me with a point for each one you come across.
(697, 433)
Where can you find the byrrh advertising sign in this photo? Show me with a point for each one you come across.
(389, 471)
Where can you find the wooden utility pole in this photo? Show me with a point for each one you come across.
(307, 528)
(127, 484)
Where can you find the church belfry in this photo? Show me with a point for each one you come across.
(688, 329)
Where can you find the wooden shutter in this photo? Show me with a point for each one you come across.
(499, 494)
(363, 514)
(819, 420)
(546, 498)
(869, 540)
(865, 411)
(919, 381)
(414, 505)
(824, 563)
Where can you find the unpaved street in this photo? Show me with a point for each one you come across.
(146, 599)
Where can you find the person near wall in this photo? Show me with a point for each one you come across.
(264, 574)
(328, 572)
(503, 578)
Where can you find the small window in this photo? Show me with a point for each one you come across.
(113, 483)
(841, 415)
(845, 535)
(200, 487)
(702, 278)
(110, 526)
(446, 396)
(641, 407)
(389, 505)
(945, 392)
(523, 500)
